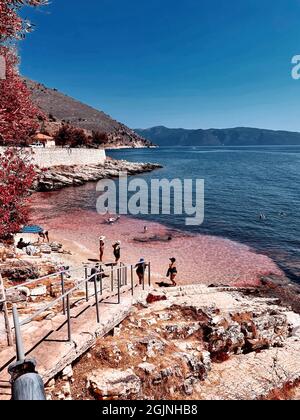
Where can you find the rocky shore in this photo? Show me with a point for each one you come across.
(60, 177)
(192, 342)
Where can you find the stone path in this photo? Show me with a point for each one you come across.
(47, 341)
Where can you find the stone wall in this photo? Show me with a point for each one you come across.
(56, 156)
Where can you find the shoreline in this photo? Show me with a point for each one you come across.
(202, 259)
(59, 177)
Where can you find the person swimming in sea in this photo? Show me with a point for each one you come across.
(172, 271)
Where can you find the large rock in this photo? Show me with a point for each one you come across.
(19, 271)
(155, 297)
(65, 176)
(114, 383)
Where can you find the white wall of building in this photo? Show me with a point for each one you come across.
(56, 156)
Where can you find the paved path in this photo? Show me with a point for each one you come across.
(47, 341)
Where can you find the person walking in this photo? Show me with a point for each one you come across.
(172, 271)
(140, 270)
(117, 251)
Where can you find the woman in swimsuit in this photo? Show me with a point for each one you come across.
(172, 271)
(117, 251)
(140, 270)
(101, 247)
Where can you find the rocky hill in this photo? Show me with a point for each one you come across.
(61, 109)
(240, 136)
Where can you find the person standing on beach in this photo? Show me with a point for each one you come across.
(172, 271)
(117, 251)
(101, 247)
(44, 235)
(140, 270)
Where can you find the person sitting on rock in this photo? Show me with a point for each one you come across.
(22, 244)
(98, 273)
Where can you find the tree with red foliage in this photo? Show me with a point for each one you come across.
(17, 175)
(12, 26)
(99, 138)
(18, 121)
(18, 116)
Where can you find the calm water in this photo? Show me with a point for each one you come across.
(240, 183)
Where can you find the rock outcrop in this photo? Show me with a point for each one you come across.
(71, 176)
(113, 383)
(185, 344)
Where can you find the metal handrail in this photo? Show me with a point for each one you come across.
(54, 302)
(67, 294)
(49, 276)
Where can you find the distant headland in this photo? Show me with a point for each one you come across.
(240, 136)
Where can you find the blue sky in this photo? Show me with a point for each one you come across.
(192, 63)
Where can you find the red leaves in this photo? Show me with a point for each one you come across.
(16, 178)
(18, 116)
(18, 122)
(11, 25)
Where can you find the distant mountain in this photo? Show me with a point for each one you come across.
(62, 109)
(241, 136)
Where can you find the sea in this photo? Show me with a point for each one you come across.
(241, 184)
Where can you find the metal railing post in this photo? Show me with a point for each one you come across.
(62, 280)
(5, 312)
(126, 275)
(149, 274)
(131, 278)
(119, 285)
(26, 383)
(96, 298)
(101, 281)
(112, 278)
(69, 318)
(19, 342)
(86, 283)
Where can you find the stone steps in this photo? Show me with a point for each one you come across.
(46, 341)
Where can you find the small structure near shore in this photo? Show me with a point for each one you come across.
(47, 141)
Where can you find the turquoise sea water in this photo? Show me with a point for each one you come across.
(240, 184)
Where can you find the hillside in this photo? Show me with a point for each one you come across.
(241, 136)
(60, 108)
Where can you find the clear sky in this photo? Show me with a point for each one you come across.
(191, 63)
